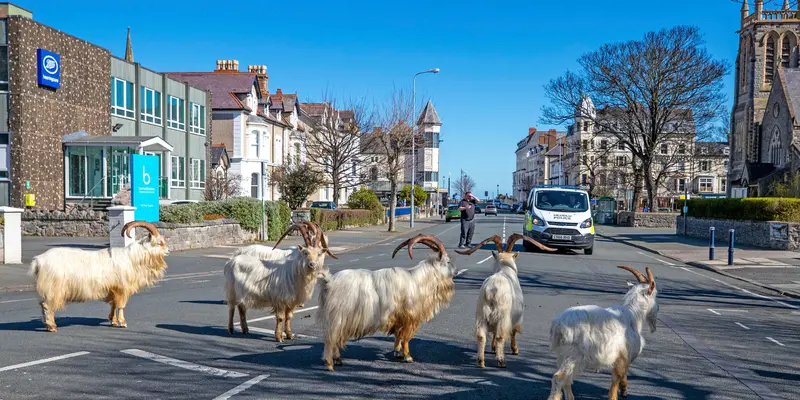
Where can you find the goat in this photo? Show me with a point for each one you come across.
(278, 284)
(500, 301)
(594, 338)
(66, 275)
(358, 303)
(265, 253)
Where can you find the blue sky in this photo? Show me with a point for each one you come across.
(494, 58)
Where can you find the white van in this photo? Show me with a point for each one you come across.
(560, 217)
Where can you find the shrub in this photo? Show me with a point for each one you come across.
(755, 209)
(365, 199)
(181, 214)
(211, 217)
(279, 216)
(245, 210)
(331, 220)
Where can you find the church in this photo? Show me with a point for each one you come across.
(765, 124)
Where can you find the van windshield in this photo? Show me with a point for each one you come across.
(559, 200)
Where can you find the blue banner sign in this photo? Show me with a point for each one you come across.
(48, 72)
(145, 187)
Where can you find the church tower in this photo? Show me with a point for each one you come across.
(767, 41)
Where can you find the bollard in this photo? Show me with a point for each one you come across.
(711, 244)
(730, 246)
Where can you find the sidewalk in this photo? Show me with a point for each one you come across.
(15, 277)
(772, 269)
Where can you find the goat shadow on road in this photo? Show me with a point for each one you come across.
(210, 330)
(37, 325)
(211, 302)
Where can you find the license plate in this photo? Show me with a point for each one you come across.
(562, 237)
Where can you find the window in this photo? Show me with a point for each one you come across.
(680, 185)
(264, 146)
(254, 185)
(198, 121)
(353, 169)
(583, 179)
(776, 148)
(723, 185)
(176, 117)
(297, 153)
(178, 178)
(664, 148)
(704, 166)
(706, 184)
(603, 144)
(150, 105)
(786, 52)
(3, 67)
(373, 174)
(703, 150)
(586, 127)
(620, 161)
(252, 143)
(585, 145)
(620, 146)
(198, 180)
(769, 65)
(431, 140)
(603, 161)
(682, 149)
(681, 166)
(430, 176)
(122, 98)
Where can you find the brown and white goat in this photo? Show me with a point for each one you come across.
(67, 275)
(500, 301)
(357, 303)
(280, 284)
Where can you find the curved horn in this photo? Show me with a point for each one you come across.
(301, 228)
(496, 239)
(410, 242)
(314, 230)
(435, 241)
(126, 229)
(320, 236)
(639, 276)
(651, 279)
(513, 239)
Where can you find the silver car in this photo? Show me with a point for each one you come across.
(490, 209)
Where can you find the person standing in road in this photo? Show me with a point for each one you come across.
(467, 208)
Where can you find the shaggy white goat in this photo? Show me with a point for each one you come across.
(500, 301)
(357, 303)
(593, 338)
(278, 284)
(66, 275)
(266, 253)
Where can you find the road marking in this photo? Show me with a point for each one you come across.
(271, 332)
(447, 230)
(738, 288)
(368, 257)
(42, 361)
(15, 301)
(218, 256)
(381, 255)
(241, 388)
(203, 281)
(273, 316)
(775, 341)
(657, 259)
(742, 325)
(504, 231)
(190, 275)
(713, 311)
(354, 260)
(184, 364)
(484, 260)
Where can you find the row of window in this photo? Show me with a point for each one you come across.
(122, 104)
(663, 150)
(197, 173)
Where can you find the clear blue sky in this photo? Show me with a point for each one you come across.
(494, 58)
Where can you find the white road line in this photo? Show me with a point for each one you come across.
(184, 364)
(713, 311)
(241, 388)
(354, 260)
(743, 290)
(368, 257)
(446, 230)
(657, 259)
(775, 341)
(218, 256)
(381, 255)
(271, 332)
(42, 361)
(484, 260)
(203, 281)
(14, 301)
(504, 231)
(272, 316)
(191, 276)
(742, 325)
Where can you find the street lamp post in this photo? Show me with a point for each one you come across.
(414, 137)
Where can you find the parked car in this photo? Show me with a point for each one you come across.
(477, 209)
(328, 205)
(176, 202)
(490, 209)
(452, 213)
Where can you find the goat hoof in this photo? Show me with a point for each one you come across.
(515, 352)
(501, 363)
(398, 355)
(51, 328)
(337, 361)
(290, 335)
(408, 359)
(481, 364)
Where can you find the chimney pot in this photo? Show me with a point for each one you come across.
(531, 131)
(219, 65)
(279, 92)
(235, 65)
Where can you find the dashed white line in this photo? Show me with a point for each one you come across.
(484, 260)
(654, 258)
(775, 341)
(713, 311)
(42, 361)
(504, 230)
(203, 281)
(241, 388)
(447, 230)
(272, 316)
(184, 364)
(381, 255)
(15, 301)
(271, 332)
(368, 257)
(742, 325)
(354, 260)
(191, 275)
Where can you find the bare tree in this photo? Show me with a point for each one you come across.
(526, 184)
(333, 143)
(651, 94)
(296, 182)
(222, 186)
(463, 185)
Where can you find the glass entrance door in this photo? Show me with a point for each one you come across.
(118, 169)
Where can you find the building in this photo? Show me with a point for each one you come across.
(709, 172)
(75, 113)
(532, 168)
(256, 138)
(763, 144)
(427, 156)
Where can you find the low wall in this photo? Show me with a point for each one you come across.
(766, 234)
(80, 221)
(646, 220)
(221, 232)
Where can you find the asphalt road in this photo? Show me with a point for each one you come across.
(716, 339)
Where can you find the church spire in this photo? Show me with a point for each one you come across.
(785, 4)
(129, 48)
(745, 9)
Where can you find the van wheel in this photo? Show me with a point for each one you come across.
(588, 251)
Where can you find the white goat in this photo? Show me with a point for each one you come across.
(397, 301)
(278, 284)
(267, 253)
(500, 301)
(593, 338)
(66, 275)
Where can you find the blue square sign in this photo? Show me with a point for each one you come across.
(48, 72)
(145, 187)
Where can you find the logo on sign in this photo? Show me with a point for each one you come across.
(50, 64)
(49, 69)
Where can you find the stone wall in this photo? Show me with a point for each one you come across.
(221, 232)
(79, 221)
(646, 220)
(766, 234)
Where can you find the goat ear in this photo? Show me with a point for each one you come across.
(515, 255)
(652, 288)
(299, 247)
(494, 254)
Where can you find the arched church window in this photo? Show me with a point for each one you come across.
(769, 61)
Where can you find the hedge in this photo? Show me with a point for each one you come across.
(754, 209)
(331, 220)
(245, 210)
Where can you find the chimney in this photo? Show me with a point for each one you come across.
(531, 131)
(227, 65)
(759, 9)
(279, 92)
(261, 77)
